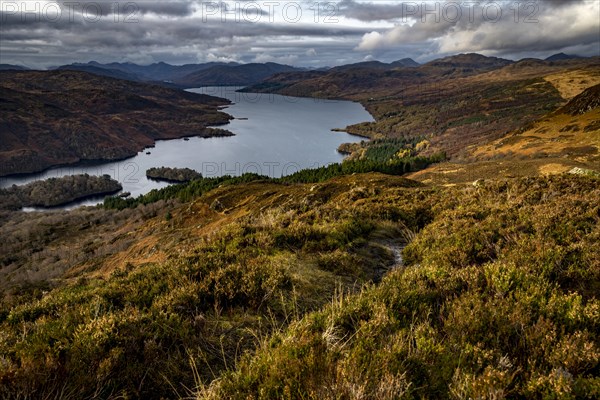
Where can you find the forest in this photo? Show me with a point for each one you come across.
(186, 192)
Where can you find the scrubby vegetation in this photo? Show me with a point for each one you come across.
(152, 330)
(38, 249)
(393, 166)
(180, 175)
(57, 191)
(497, 298)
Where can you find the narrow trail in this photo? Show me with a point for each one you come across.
(394, 248)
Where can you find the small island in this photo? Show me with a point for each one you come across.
(57, 191)
(173, 175)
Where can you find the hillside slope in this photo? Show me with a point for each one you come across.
(62, 117)
(134, 295)
(571, 132)
(565, 139)
(230, 293)
(455, 102)
(497, 299)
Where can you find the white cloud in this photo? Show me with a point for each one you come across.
(496, 29)
(285, 59)
(211, 57)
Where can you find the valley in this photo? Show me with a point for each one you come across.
(457, 103)
(453, 255)
(299, 200)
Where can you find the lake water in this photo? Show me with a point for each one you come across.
(274, 135)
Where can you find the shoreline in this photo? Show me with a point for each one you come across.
(99, 161)
(61, 206)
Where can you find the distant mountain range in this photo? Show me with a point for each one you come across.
(186, 76)
(8, 67)
(236, 74)
(210, 74)
(154, 72)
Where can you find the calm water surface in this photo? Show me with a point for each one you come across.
(275, 136)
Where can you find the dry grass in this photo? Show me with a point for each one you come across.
(215, 283)
(497, 300)
(571, 83)
(451, 174)
(558, 135)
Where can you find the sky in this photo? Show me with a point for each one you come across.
(308, 33)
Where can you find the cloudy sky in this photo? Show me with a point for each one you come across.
(309, 33)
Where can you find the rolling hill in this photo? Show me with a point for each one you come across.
(571, 132)
(157, 72)
(62, 117)
(405, 62)
(8, 67)
(102, 71)
(562, 57)
(185, 76)
(455, 102)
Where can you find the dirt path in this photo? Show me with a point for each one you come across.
(394, 248)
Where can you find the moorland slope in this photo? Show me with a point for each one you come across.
(50, 118)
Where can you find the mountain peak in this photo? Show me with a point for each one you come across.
(470, 60)
(405, 62)
(562, 56)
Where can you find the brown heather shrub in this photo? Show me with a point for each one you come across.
(498, 300)
(164, 329)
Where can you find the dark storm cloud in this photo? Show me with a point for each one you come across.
(171, 8)
(73, 12)
(372, 11)
(179, 32)
(561, 3)
(174, 8)
(369, 11)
